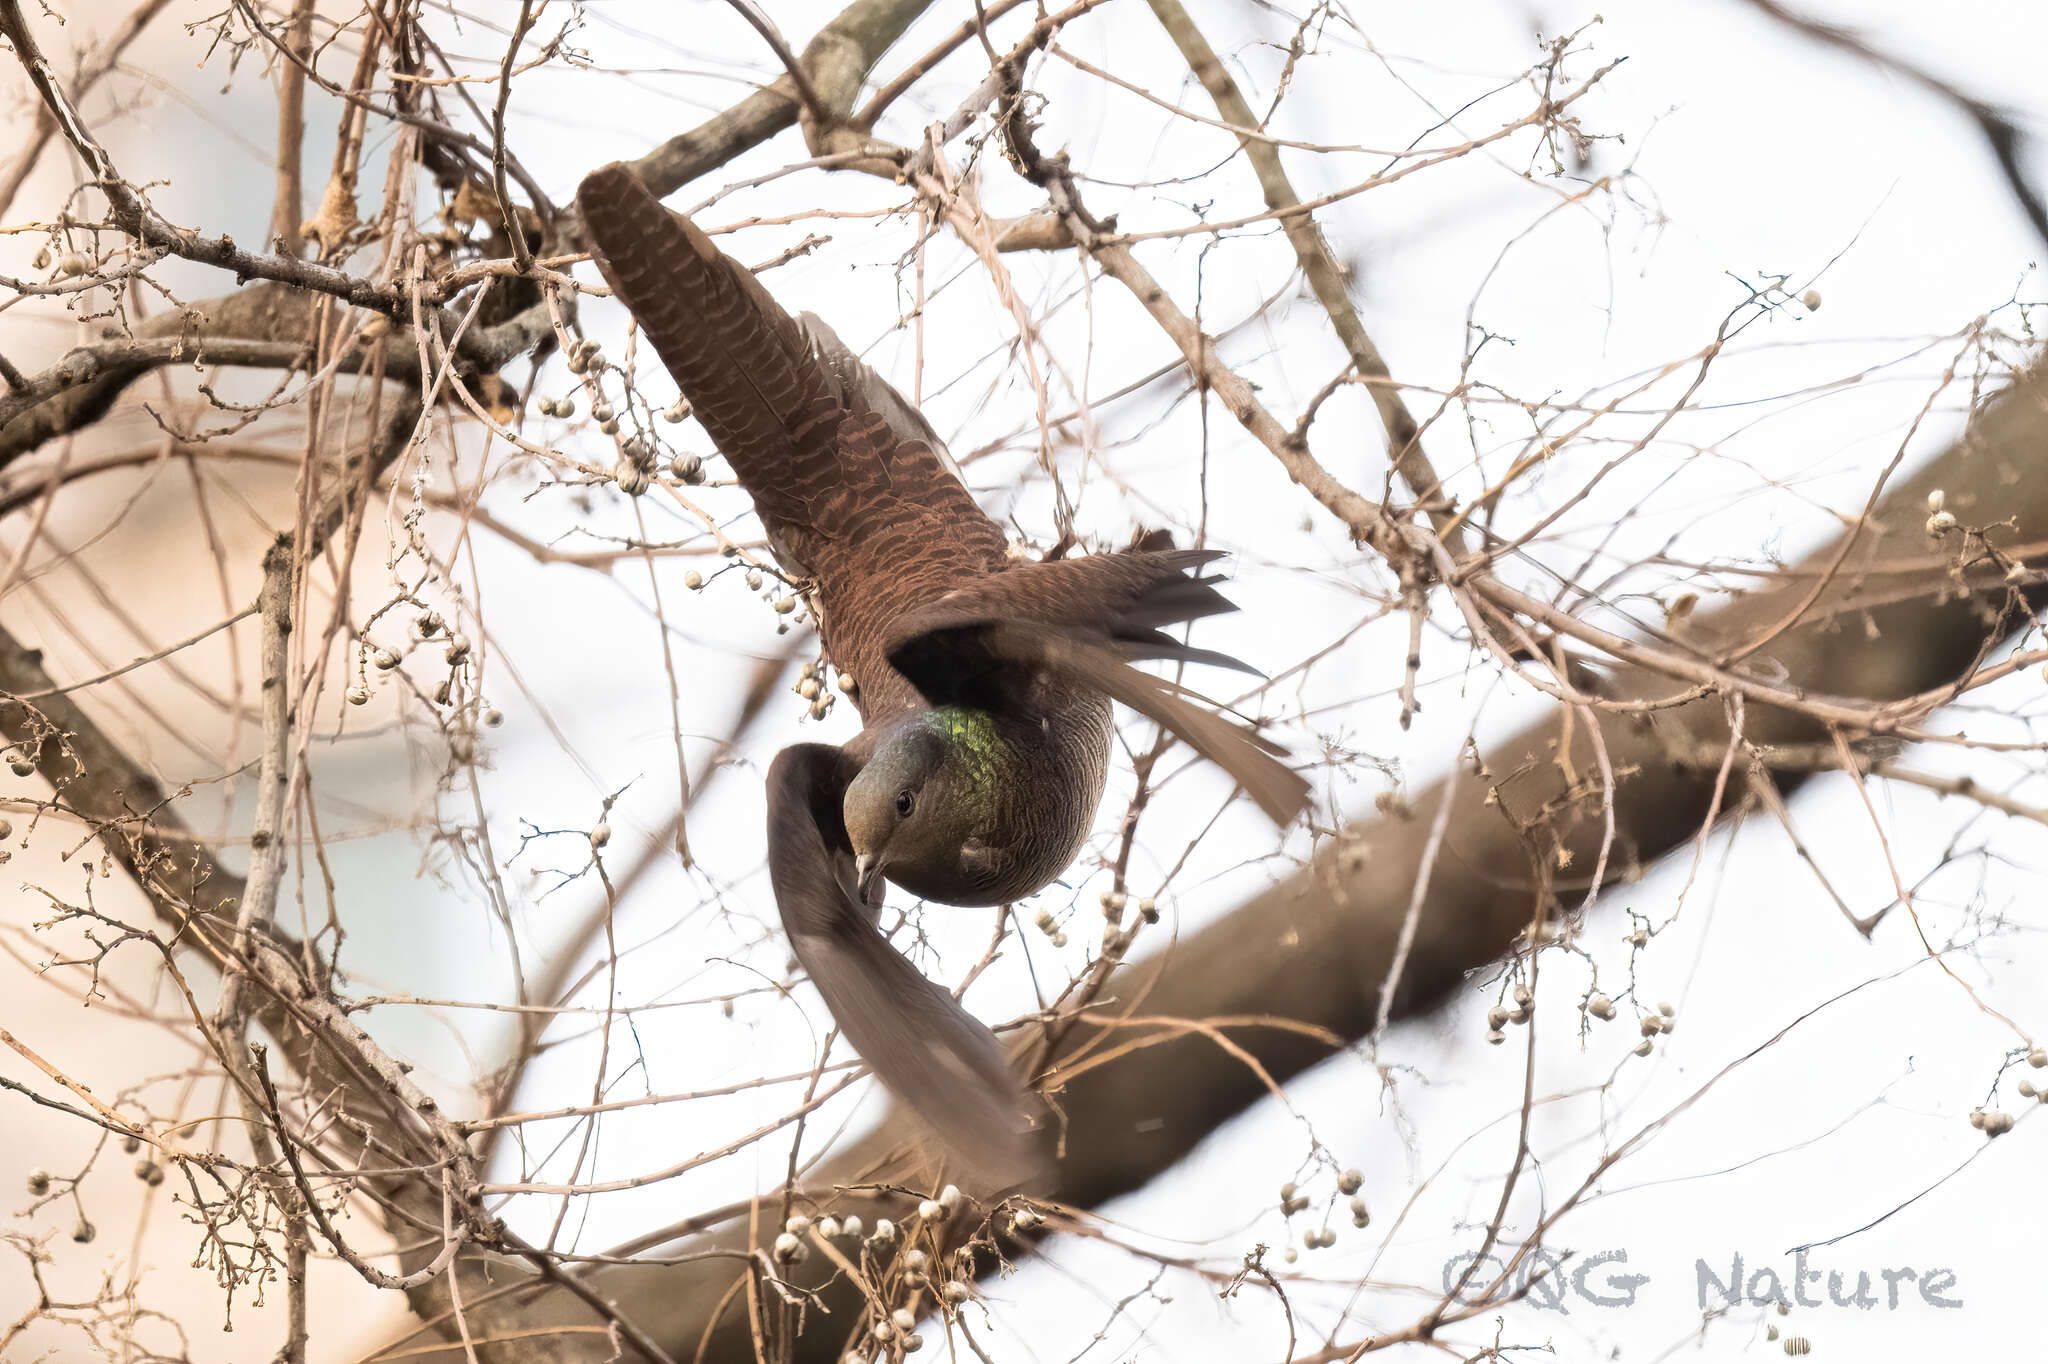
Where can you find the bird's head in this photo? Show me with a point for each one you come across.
(922, 804)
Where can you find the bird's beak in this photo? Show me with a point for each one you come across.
(867, 871)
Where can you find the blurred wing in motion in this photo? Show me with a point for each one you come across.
(935, 1056)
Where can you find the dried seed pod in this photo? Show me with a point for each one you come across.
(70, 265)
(1497, 1016)
(1639, 938)
(784, 605)
(1059, 939)
(610, 426)
(851, 1226)
(42, 257)
(689, 468)
(429, 624)
(1643, 1048)
(1600, 1006)
(130, 1143)
(1494, 1037)
(1941, 523)
(1996, 1123)
(1771, 1331)
(2037, 1057)
(789, 1249)
(601, 411)
(458, 647)
(1148, 910)
(6, 828)
(954, 1292)
(565, 407)
(847, 684)
(949, 1199)
(631, 479)
(358, 695)
(19, 764)
(675, 411)
(84, 1232)
(797, 1224)
(753, 578)
(1112, 902)
(600, 833)
(915, 1258)
(1523, 995)
(912, 1342)
(883, 1331)
(1024, 1219)
(38, 1182)
(693, 580)
(1936, 500)
(1045, 921)
(1811, 298)
(884, 1232)
(828, 1227)
(384, 660)
(1350, 1182)
(494, 717)
(902, 1319)
(149, 1172)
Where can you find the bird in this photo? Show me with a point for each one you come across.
(983, 680)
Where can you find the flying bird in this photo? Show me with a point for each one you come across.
(983, 682)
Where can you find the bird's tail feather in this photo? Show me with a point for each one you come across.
(1250, 758)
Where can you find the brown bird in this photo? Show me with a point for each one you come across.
(983, 682)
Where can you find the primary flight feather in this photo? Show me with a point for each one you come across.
(983, 683)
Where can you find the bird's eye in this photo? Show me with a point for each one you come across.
(905, 803)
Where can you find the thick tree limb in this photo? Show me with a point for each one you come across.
(838, 60)
(264, 325)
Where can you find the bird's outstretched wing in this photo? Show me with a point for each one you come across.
(850, 481)
(934, 1055)
(1087, 619)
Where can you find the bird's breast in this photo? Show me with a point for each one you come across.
(1055, 767)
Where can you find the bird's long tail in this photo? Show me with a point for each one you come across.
(749, 370)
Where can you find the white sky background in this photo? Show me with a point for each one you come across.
(1764, 155)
